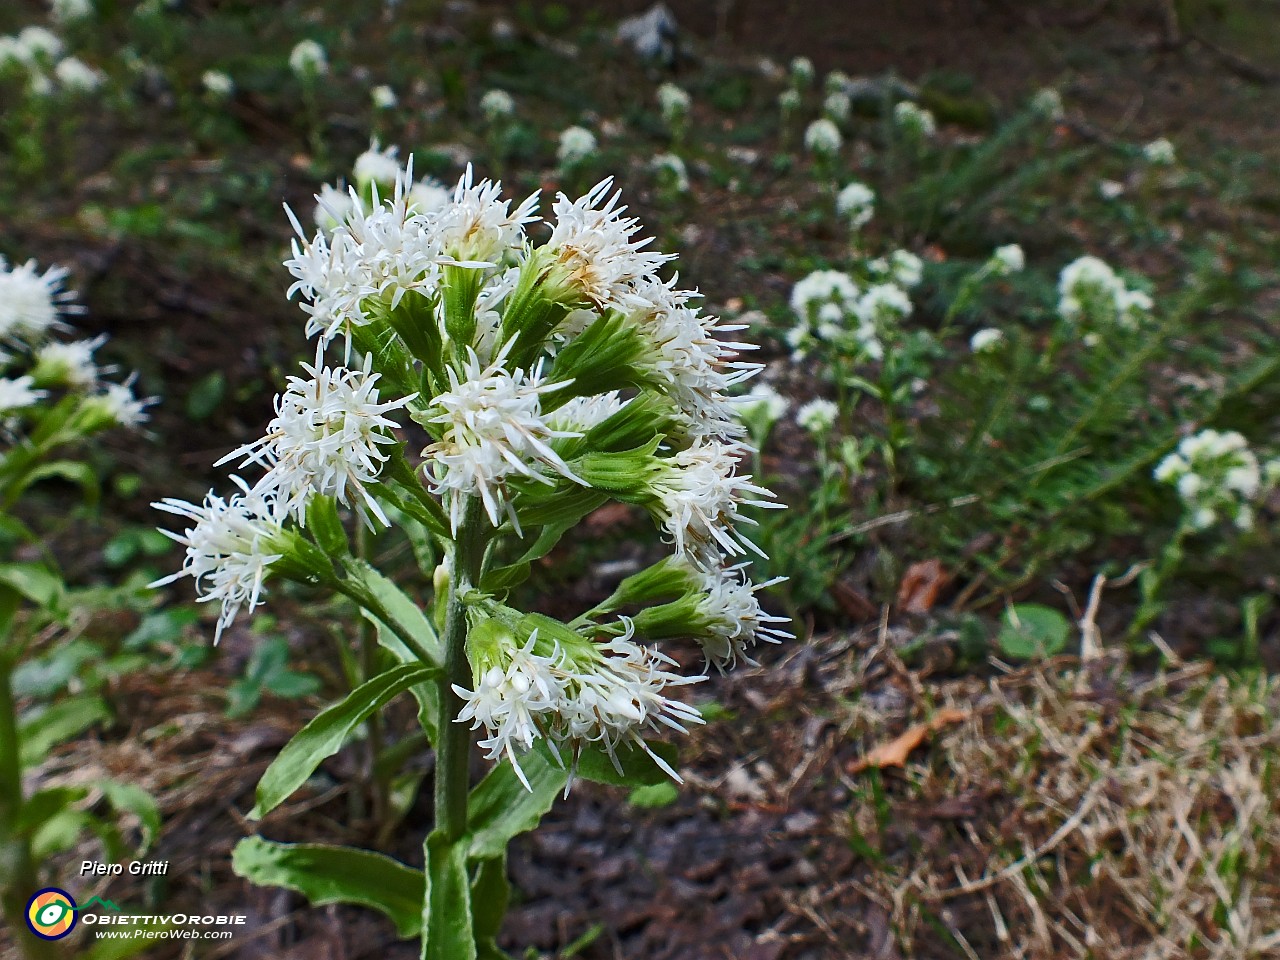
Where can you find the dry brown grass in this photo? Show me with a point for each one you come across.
(1105, 817)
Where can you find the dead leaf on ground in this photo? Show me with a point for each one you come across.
(918, 591)
(895, 752)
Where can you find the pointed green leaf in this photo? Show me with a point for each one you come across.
(325, 735)
(500, 807)
(328, 874)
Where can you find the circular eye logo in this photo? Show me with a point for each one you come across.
(51, 913)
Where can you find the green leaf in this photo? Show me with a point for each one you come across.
(395, 615)
(500, 807)
(81, 474)
(1031, 630)
(206, 396)
(657, 795)
(325, 735)
(639, 769)
(490, 894)
(36, 582)
(131, 798)
(43, 805)
(328, 874)
(447, 926)
(325, 526)
(62, 721)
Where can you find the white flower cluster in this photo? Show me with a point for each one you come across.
(733, 620)
(856, 203)
(901, 267)
(1159, 153)
(671, 172)
(1048, 103)
(987, 340)
(64, 11)
(608, 694)
(376, 172)
(326, 439)
(38, 52)
(817, 416)
(1008, 260)
(500, 344)
(576, 145)
(837, 106)
(384, 97)
(833, 308)
(218, 84)
(33, 306)
(497, 105)
(801, 73)
(914, 120)
(822, 138)
(674, 103)
(1218, 478)
(1088, 288)
(308, 60)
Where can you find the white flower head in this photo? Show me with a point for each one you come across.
(856, 202)
(596, 248)
(18, 394)
(36, 46)
(477, 226)
(822, 138)
(576, 145)
(671, 171)
(497, 105)
(801, 72)
(699, 500)
(69, 363)
(817, 416)
(383, 97)
(74, 74)
(1048, 103)
(674, 102)
(914, 119)
(883, 304)
(1008, 260)
(31, 303)
(308, 60)
(789, 101)
(64, 11)
(378, 166)
(1216, 476)
(986, 341)
(1159, 153)
(218, 84)
(510, 701)
(905, 268)
(326, 439)
(733, 619)
(837, 105)
(230, 548)
(493, 429)
(383, 253)
(119, 403)
(597, 693)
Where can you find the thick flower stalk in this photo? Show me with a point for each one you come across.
(549, 378)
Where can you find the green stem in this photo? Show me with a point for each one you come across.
(17, 872)
(1153, 586)
(453, 747)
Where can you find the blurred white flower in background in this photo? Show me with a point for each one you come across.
(576, 145)
(308, 60)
